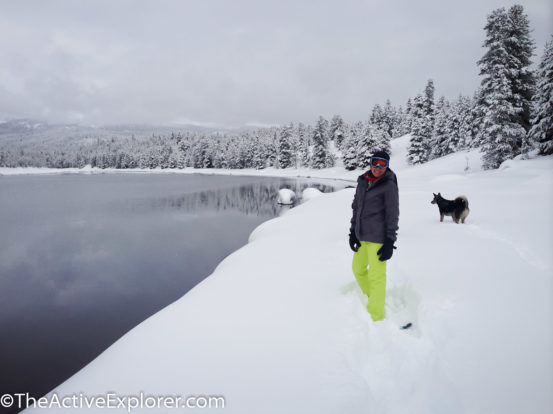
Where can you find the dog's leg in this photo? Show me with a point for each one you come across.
(441, 218)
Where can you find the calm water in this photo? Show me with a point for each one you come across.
(84, 258)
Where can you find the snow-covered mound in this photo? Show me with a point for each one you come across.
(479, 295)
(286, 196)
(310, 193)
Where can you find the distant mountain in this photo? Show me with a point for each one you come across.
(30, 131)
(21, 126)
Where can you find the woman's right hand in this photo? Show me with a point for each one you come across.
(354, 242)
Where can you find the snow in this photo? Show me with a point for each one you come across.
(280, 326)
(286, 196)
(310, 193)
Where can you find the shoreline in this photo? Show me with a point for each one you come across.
(330, 174)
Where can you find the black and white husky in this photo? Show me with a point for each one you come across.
(458, 209)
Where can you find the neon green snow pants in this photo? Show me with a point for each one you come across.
(372, 281)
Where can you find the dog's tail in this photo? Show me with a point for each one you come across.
(464, 200)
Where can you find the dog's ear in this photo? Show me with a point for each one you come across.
(434, 194)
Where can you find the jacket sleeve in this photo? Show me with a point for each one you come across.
(392, 211)
(354, 214)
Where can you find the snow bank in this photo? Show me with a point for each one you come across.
(310, 193)
(301, 341)
(286, 196)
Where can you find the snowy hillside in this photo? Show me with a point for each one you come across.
(281, 326)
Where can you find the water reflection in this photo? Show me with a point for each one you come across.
(257, 199)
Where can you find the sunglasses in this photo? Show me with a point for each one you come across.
(378, 162)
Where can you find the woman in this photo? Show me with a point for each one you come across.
(373, 229)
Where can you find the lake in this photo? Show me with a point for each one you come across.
(85, 258)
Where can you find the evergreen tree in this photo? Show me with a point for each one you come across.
(401, 126)
(408, 116)
(368, 145)
(330, 160)
(377, 116)
(295, 145)
(507, 86)
(309, 142)
(389, 118)
(351, 146)
(429, 107)
(273, 149)
(303, 146)
(463, 107)
(320, 144)
(520, 48)
(285, 155)
(441, 139)
(337, 130)
(418, 151)
(382, 140)
(452, 130)
(477, 115)
(542, 122)
(258, 155)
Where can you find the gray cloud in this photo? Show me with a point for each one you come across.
(230, 63)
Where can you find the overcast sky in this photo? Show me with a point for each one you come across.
(233, 62)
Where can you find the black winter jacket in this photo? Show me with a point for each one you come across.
(376, 209)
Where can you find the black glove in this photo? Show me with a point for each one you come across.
(354, 242)
(386, 250)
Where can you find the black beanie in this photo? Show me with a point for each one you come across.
(382, 154)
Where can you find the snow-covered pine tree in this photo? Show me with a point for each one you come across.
(326, 126)
(309, 142)
(408, 116)
(258, 156)
(389, 118)
(295, 145)
(273, 148)
(429, 106)
(382, 140)
(245, 154)
(218, 149)
(183, 149)
(330, 159)
(377, 117)
(336, 132)
(440, 142)
(520, 48)
(401, 124)
(452, 129)
(463, 107)
(285, 155)
(541, 132)
(320, 144)
(246, 150)
(266, 148)
(350, 145)
(502, 131)
(368, 145)
(418, 150)
(303, 146)
(477, 115)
